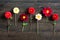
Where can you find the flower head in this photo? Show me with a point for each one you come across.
(23, 17)
(8, 15)
(16, 10)
(31, 10)
(38, 16)
(47, 11)
(55, 17)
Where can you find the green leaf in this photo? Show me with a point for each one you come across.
(54, 23)
(25, 24)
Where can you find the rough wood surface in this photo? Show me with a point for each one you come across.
(15, 32)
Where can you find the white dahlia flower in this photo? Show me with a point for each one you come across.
(16, 10)
(38, 16)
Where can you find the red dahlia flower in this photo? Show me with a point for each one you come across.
(31, 10)
(47, 11)
(23, 17)
(8, 15)
(55, 17)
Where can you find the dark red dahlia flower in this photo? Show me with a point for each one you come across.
(23, 17)
(47, 11)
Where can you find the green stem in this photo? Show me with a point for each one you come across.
(8, 24)
(47, 19)
(54, 24)
(24, 24)
(37, 27)
(15, 20)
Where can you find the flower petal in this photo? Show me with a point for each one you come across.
(38, 16)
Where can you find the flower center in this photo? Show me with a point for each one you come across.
(24, 17)
(15, 9)
(47, 11)
(38, 16)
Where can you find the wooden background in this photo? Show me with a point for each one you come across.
(45, 30)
